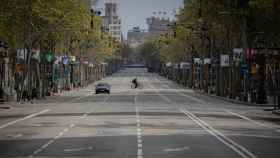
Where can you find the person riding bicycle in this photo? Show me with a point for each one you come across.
(134, 81)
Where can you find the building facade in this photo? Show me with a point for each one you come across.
(158, 25)
(136, 37)
(112, 21)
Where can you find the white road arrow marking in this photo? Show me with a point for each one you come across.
(78, 149)
(177, 149)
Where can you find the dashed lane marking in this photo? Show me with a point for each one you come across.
(44, 146)
(139, 131)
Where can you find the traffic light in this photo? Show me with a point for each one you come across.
(95, 12)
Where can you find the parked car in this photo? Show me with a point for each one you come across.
(102, 88)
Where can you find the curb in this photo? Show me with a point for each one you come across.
(235, 101)
(277, 112)
(5, 107)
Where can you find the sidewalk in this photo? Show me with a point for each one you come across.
(77, 92)
(233, 100)
(5, 106)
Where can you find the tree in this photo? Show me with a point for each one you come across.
(61, 27)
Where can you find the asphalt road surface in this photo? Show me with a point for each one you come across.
(158, 120)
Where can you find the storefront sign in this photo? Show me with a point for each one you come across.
(169, 64)
(72, 59)
(206, 61)
(244, 69)
(22, 54)
(185, 65)
(49, 57)
(90, 64)
(19, 67)
(3, 49)
(237, 54)
(36, 54)
(197, 61)
(65, 60)
(254, 68)
(224, 60)
(250, 53)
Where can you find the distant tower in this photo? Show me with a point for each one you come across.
(111, 11)
(112, 21)
(158, 23)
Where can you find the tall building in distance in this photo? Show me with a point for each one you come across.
(136, 37)
(112, 21)
(158, 25)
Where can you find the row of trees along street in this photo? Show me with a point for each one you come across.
(51, 45)
(228, 48)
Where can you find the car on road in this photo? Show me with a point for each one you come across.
(102, 88)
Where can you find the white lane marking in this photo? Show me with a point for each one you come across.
(139, 131)
(242, 151)
(177, 149)
(15, 135)
(44, 146)
(82, 117)
(35, 152)
(250, 120)
(59, 135)
(78, 149)
(164, 85)
(72, 125)
(239, 149)
(140, 152)
(41, 148)
(65, 130)
(192, 98)
(36, 125)
(182, 94)
(25, 118)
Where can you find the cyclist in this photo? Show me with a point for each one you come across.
(134, 81)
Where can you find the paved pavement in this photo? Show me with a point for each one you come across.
(158, 120)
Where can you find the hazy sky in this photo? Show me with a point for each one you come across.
(134, 12)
